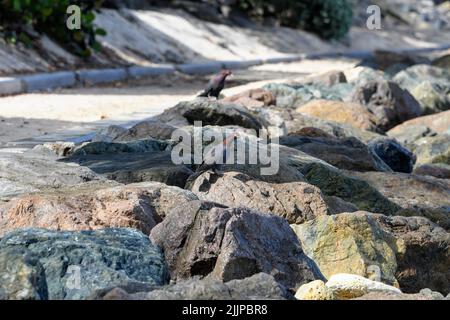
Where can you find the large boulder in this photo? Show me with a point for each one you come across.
(209, 113)
(345, 153)
(414, 194)
(32, 171)
(418, 74)
(408, 134)
(349, 113)
(410, 251)
(260, 286)
(295, 201)
(390, 104)
(396, 156)
(78, 263)
(349, 243)
(89, 207)
(204, 238)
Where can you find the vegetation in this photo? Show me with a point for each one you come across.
(330, 19)
(21, 19)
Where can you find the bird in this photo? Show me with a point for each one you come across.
(209, 163)
(216, 84)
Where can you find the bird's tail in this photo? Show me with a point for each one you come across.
(204, 94)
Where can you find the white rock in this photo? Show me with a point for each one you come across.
(349, 286)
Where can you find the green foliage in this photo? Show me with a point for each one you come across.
(330, 19)
(20, 18)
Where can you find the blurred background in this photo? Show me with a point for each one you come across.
(34, 39)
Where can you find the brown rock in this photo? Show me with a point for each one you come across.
(204, 238)
(297, 202)
(439, 123)
(390, 104)
(353, 114)
(253, 98)
(139, 206)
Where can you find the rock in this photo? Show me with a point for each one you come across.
(101, 258)
(437, 170)
(22, 275)
(432, 294)
(253, 98)
(60, 148)
(418, 74)
(390, 104)
(429, 85)
(350, 286)
(137, 146)
(433, 97)
(386, 60)
(433, 150)
(31, 172)
(208, 239)
(423, 253)
(345, 153)
(356, 191)
(349, 113)
(135, 167)
(210, 113)
(109, 134)
(257, 287)
(294, 96)
(140, 206)
(327, 79)
(415, 195)
(289, 122)
(392, 296)
(412, 251)
(407, 135)
(349, 243)
(360, 75)
(315, 290)
(438, 123)
(397, 157)
(442, 62)
(297, 202)
(145, 130)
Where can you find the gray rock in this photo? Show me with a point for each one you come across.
(260, 286)
(22, 275)
(146, 129)
(207, 239)
(135, 167)
(109, 134)
(346, 153)
(397, 157)
(136, 146)
(388, 102)
(433, 149)
(429, 85)
(293, 96)
(210, 113)
(407, 135)
(103, 258)
(32, 171)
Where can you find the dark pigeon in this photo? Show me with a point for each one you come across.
(216, 85)
(209, 163)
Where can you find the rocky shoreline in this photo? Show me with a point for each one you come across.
(359, 208)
